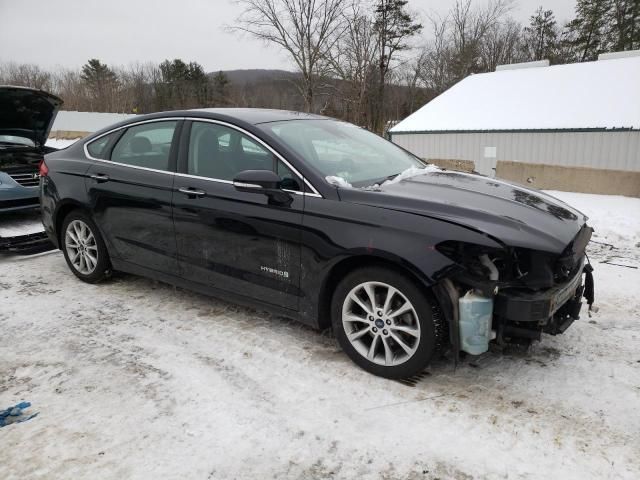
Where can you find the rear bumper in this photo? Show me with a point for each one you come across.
(16, 197)
(541, 307)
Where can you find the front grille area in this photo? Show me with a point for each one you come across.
(26, 179)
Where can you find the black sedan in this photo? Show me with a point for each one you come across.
(321, 221)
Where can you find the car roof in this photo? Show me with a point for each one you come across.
(247, 117)
(256, 116)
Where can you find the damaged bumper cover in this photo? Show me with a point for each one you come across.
(547, 297)
(525, 306)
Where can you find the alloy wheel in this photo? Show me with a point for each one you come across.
(381, 323)
(81, 247)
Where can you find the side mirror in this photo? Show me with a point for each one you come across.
(256, 181)
(266, 182)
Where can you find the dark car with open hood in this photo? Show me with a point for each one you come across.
(26, 117)
(321, 221)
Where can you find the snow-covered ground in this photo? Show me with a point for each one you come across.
(615, 218)
(20, 223)
(135, 379)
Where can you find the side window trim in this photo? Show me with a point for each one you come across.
(112, 143)
(175, 146)
(184, 152)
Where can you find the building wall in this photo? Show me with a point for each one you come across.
(593, 162)
(571, 179)
(84, 122)
(607, 150)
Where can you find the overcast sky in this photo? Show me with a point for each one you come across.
(119, 32)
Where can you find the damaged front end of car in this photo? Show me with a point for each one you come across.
(511, 294)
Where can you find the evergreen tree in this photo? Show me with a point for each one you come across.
(541, 36)
(183, 85)
(589, 31)
(393, 26)
(625, 25)
(101, 83)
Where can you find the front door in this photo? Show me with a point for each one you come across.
(235, 241)
(130, 185)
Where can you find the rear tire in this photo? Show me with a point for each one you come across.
(83, 248)
(396, 337)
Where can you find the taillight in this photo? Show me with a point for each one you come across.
(44, 170)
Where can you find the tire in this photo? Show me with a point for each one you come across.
(80, 234)
(410, 320)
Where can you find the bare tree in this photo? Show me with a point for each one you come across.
(137, 94)
(436, 67)
(305, 29)
(469, 27)
(468, 40)
(352, 60)
(70, 87)
(25, 74)
(501, 45)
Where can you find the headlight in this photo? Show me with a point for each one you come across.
(476, 259)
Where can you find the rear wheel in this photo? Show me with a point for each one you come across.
(385, 323)
(83, 248)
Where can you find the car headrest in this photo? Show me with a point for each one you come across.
(208, 146)
(140, 145)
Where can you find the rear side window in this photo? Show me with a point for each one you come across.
(146, 145)
(100, 148)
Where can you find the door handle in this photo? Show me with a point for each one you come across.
(192, 193)
(100, 178)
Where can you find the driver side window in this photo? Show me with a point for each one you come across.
(219, 152)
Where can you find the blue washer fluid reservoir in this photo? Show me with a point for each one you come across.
(476, 313)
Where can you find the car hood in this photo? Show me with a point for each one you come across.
(27, 112)
(512, 214)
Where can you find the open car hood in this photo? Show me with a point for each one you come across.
(27, 112)
(513, 214)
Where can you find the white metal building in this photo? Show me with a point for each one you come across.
(70, 123)
(539, 123)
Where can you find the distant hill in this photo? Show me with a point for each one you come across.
(244, 77)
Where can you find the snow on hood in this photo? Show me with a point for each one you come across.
(412, 172)
(404, 175)
(338, 182)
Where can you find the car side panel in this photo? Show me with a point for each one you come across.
(133, 211)
(239, 241)
(334, 231)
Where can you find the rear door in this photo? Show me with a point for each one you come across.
(230, 240)
(130, 186)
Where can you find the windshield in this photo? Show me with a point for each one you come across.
(16, 140)
(340, 149)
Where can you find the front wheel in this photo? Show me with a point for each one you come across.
(385, 323)
(83, 248)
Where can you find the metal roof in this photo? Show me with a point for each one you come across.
(604, 94)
